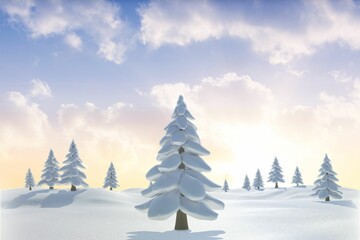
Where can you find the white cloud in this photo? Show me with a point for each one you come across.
(340, 76)
(139, 92)
(73, 40)
(112, 52)
(23, 124)
(166, 94)
(220, 96)
(98, 20)
(177, 22)
(40, 88)
(184, 22)
(295, 72)
(333, 120)
(18, 8)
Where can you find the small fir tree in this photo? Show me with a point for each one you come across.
(226, 186)
(176, 183)
(111, 179)
(71, 169)
(258, 181)
(297, 178)
(275, 174)
(247, 183)
(325, 185)
(29, 180)
(50, 174)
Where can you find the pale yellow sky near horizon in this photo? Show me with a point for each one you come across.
(240, 139)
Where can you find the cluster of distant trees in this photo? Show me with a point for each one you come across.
(71, 172)
(325, 186)
(275, 176)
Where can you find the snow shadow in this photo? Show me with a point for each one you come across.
(344, 203)
(175, 235)
(60, 199)
(24, 199)
(259, 190)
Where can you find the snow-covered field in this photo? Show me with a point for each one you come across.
(96, 214)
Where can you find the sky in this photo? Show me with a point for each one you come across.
(262, 78)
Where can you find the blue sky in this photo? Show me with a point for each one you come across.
(286, 70)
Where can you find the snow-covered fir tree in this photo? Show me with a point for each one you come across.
(50, 175)
(29, 180)
(297, 178)
(71, 169)
(325, 185)
(247, 183)
(258, 181)
(111, 179)
(176, 183)
(275, 174)
(225, 186)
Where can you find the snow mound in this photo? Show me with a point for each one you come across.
(61, 198)
(92, 214)
(284, 193)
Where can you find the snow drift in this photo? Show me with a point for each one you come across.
(92, 214)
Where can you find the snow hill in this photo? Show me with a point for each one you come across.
(285, 213)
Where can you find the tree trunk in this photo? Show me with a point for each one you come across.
(30, 188)
(297, 184)
(276, 185)
(327, 199)
(51, 188)
(110, 188)
(181, 218)
(73, 188)
(181, 221)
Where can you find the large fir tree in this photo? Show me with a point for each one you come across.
(325, 186)
(50, 175)
(177, 184)
(71, 169)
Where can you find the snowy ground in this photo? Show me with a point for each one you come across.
(100, 214)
